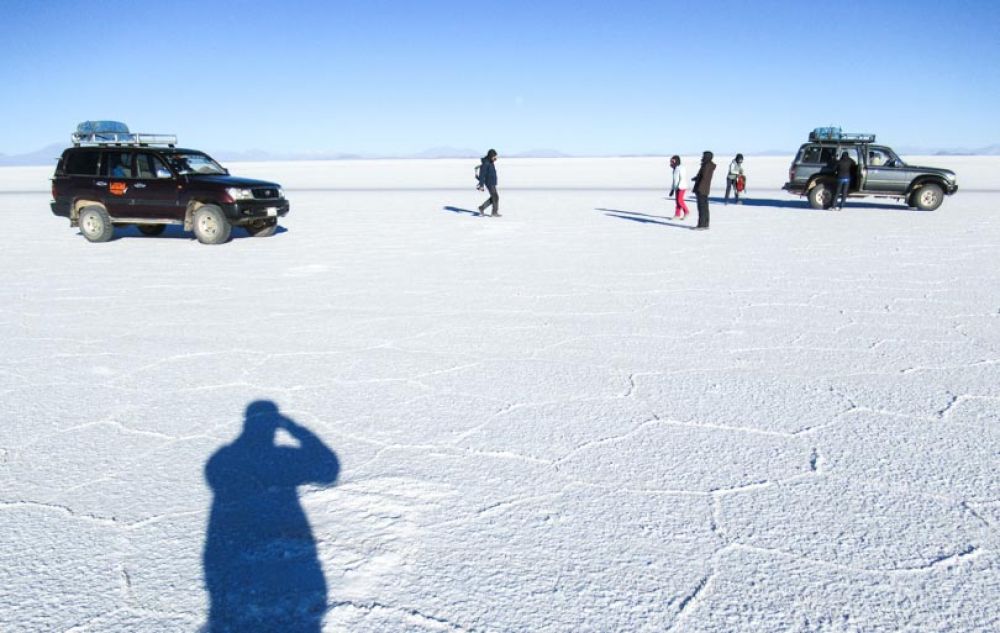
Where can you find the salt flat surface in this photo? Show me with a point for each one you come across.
(576, 417)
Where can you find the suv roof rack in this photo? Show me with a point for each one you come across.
(138, 139)
(836, 134)
(117, 133)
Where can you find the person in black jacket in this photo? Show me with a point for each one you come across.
(845, 170)
(702, 185)
(488, 179)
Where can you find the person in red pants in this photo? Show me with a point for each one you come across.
(677, 189)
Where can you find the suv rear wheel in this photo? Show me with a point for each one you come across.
(151, 229)
(821, 196)
(95, 224)
(928, 197)
(211, 225)
(262, 228)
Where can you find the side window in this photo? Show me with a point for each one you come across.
(811, 154)
(884, 157)
(877, 157)
(828, 155)
(118, 165)
(149, 166)
(82, 163)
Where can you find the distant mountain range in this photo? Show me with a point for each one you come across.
(50, 153)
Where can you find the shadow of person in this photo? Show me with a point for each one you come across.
(460, 210)
(262, 572)
(644, 218)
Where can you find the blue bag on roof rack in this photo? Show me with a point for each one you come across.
(102, 127)
(837, 134)
(825, 134)
(102, 132)
(117, 133)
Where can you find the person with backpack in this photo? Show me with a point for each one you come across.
(702, 186)
(735, 179)
(677, 188)
(487, 178)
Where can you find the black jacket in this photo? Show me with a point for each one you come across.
(845, 167)
(487, 173)
(703, 181)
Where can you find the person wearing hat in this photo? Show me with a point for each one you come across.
(702, 186)
(488, 179)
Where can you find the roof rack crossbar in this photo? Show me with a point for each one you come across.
(137, 139)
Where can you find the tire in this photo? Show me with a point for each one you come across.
(95, 223)
(821, 196)
(151, 230)
(210, 225)
(262, 228)
(928, 198)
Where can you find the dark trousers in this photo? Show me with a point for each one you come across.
(843, 185)
(731, 185)
(494, 200)
(702, 210)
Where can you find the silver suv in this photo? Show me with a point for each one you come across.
(880, 172)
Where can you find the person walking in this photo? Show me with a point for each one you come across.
(845, 169)
(488, 179)
(702, 185)
(735, 179)
(677, 188)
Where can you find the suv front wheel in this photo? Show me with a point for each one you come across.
(211, 225)
(821, 196)
(95, 224)
(928, 197)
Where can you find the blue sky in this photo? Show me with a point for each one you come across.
(395, 77)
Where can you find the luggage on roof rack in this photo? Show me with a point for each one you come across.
(837, 134)
(117, 133)
(102, 127)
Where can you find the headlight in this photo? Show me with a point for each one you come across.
(239, 194)
(281, 192)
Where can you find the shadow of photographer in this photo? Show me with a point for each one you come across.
(261, 566)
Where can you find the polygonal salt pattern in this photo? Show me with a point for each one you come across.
(853, 523)
(578, 417)
(747, 400)
(551, 431)
(57, 569)
(944, 458)
(758, 590)
(677, 457)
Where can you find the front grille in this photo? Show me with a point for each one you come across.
(265, 193)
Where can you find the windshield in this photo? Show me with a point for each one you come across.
(193, 163)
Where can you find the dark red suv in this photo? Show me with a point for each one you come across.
(122, 178)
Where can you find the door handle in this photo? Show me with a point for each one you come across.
(139, 185)
(101, 183)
